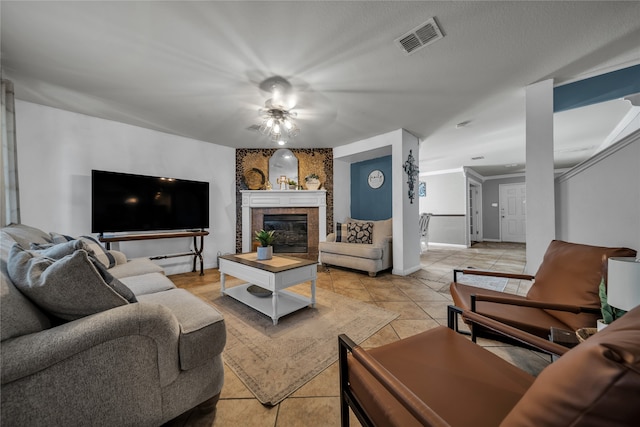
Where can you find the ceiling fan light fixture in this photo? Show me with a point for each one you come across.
(277, 119)
(278, 124)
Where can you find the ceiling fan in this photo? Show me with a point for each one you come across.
(278, 117)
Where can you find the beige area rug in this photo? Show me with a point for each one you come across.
(485, 282)
(274, 361)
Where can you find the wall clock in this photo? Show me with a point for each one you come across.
(376, 178)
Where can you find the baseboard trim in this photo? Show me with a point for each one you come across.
(406, 271)
(450, 245)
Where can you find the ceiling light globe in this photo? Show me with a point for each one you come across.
(270, 122)
(276, 128)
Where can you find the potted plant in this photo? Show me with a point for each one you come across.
(312, 181)
(609, 314)
(265, 238)
(292, 185)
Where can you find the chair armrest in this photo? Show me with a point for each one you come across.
(385, 241)
(420, 410)
(331, 237)
(32, 353)
(491, 274)
(530, 303)
(514, 333)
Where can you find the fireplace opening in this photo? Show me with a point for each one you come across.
(290, 231)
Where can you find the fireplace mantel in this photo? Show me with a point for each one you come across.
(252, 199)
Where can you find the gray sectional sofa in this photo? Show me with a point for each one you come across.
(152, 356)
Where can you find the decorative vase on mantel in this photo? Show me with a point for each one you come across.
(265, 253)
(312, 182)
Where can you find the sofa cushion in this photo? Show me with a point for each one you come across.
(18, 315)
(202, 331)
(360, 232)
(592, 384)
(120, 257)
(135, 267)
(72, 287)
(24, 235)
(570, 273)
(148, 283)
(352, 249)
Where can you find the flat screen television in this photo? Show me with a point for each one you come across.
(125, 202)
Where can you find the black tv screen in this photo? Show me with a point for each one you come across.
(126, 202)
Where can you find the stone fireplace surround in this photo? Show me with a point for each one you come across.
(257, 203)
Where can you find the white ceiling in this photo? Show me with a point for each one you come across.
(194, 69)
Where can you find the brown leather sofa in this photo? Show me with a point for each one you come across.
(440, 378)
(564, 293)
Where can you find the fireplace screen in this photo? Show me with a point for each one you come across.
(290, 231)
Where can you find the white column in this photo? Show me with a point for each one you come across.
(246, 223)
(406, 238)
(541, 226)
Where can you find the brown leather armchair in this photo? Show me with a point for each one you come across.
(440, 378)
(564, 293)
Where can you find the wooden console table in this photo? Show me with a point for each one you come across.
(196, 253)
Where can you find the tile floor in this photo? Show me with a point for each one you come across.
(421, 299)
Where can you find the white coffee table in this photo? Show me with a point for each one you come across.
(275, 275)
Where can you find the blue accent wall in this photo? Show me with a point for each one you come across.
(366, 202)
(605, 87)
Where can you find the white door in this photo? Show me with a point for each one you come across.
(513, 212)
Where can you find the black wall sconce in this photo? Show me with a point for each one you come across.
(412, 171)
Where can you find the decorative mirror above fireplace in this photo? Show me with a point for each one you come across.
(283, 163)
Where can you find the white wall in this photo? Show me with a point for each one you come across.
(446, 195)
(598, 202)
(58, 149)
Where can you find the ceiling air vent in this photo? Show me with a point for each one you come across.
(421, 36)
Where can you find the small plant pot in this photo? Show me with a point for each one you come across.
(600, 324)
(265, 252)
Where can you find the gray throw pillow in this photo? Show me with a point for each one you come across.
(98, 250)
(72, 287)
(57, 251)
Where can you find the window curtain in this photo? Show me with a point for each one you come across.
(9, 158)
